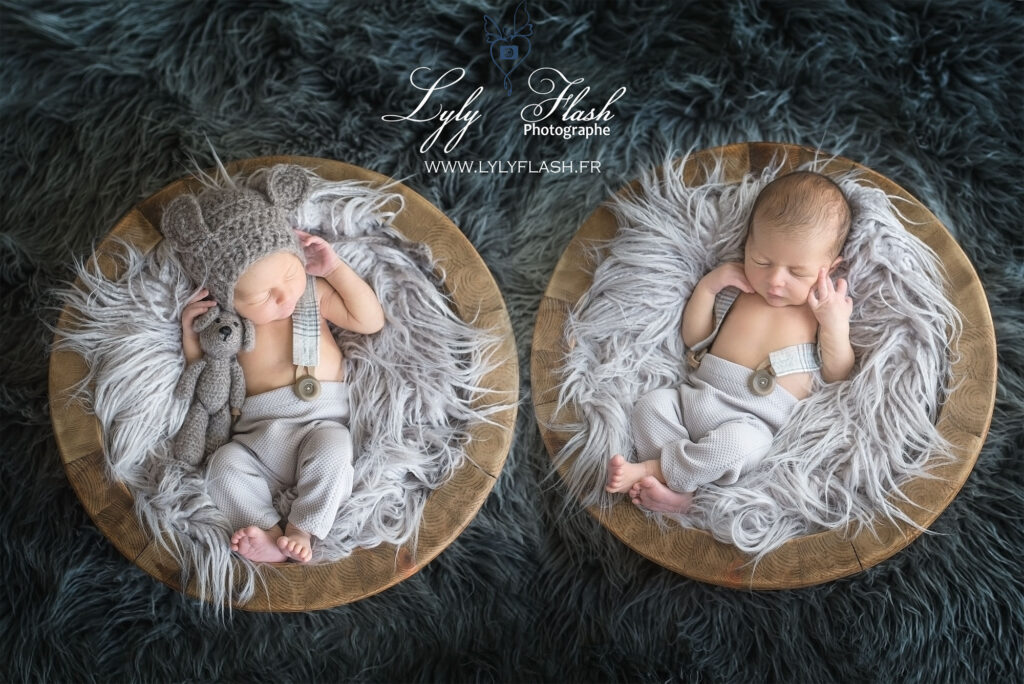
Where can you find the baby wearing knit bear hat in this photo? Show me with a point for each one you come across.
(292, 432)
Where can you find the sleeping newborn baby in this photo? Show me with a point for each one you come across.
(756, 332)
(286, 284)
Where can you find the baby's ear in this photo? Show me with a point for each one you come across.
(248, 335)
(203, 322)
(182, 223)
(287, 186)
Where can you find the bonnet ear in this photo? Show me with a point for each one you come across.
(248, 335)
(204, 321)
(287, 186)
(182, 223)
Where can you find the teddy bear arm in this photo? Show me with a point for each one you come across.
(237, 386)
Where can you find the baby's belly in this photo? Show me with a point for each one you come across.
(797, 384)
(269, 366)
(752, 330)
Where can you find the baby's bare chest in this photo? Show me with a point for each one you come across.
(752, 329)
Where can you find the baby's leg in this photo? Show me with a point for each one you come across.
(720, 456)
(323, 477)
(238, 484)
(656, 421)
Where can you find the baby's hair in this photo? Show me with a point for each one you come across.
(802, 203)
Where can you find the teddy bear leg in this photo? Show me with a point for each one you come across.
(189, 443)
(218, 432)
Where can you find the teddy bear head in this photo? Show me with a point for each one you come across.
(222, 334)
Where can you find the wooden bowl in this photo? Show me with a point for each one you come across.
(815, 558)
(291, 586)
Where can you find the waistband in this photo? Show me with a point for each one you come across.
(284, 401)
(734, 378)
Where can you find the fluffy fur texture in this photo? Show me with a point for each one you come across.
(411, 386)
(103, 104)
(841, 458)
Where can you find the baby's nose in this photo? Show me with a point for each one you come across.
(225, 332)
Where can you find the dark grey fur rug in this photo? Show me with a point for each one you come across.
(101, 104)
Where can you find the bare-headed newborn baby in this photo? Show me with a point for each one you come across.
(756, 332)
(286, 284)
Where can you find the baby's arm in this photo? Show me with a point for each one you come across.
(699, 313)
(352, 304)
(832, 307)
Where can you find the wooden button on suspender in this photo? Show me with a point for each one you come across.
(306, 387)
(762, 380)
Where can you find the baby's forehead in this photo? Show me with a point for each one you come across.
(799, 245)
(812, 233)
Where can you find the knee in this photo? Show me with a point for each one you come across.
(334, 439)
(755, 436)
(224, 465)
(657, 402)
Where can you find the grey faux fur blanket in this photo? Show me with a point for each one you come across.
(848, 447)
(412, 386)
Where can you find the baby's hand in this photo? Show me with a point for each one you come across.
(195, 308)
(729, 273)
(830, 303)
(321, 260)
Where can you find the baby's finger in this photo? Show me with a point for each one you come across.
(820, 288)
(812, 298)
(841, 287)
(199, 295)
(202, 305)
(744, 284)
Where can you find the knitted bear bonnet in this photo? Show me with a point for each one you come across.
(223, 231)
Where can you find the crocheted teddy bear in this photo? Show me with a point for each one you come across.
(216, 237)
(214, 384)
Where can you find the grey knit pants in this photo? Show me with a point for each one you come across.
(280, 441)
(711, 429)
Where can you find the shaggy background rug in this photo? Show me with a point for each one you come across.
(101, 104)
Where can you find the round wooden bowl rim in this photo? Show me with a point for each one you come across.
(290, 586)
(815, 558)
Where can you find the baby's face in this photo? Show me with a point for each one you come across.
(782, 268)
(270, 288)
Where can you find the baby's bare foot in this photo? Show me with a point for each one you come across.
(622, 474)
(654, 496)
(257, 544)
(295, 544)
